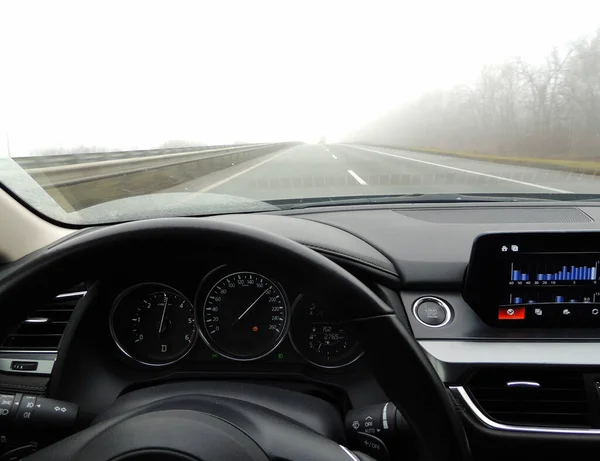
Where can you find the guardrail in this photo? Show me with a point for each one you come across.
(82, 180)
(72, 159)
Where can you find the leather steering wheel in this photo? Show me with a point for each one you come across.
(173, 422)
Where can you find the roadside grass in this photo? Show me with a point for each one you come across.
(574, 165)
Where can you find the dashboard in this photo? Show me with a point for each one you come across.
(443, 270)
(178, 314)
(494, 294)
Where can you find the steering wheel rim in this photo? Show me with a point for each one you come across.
(421, 396)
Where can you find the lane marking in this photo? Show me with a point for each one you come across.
(360, 180)
(493, 176)
(334, 156)
(239, 173)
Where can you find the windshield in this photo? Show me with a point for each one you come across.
(122, 110)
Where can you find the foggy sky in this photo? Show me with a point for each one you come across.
(133, 74)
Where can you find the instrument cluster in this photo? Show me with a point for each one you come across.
(239, 314)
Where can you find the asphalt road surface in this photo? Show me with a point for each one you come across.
(316, 170)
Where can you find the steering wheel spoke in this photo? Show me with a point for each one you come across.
(175, 422)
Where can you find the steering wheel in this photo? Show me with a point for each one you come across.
(181, 421)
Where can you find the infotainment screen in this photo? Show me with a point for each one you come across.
(536, 279)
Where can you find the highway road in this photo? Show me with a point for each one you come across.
(315, 170)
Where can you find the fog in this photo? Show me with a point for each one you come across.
(542, 109)
(123, 75)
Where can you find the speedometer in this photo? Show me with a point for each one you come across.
(244, 316)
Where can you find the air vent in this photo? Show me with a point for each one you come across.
(43, 330)
(514, 397)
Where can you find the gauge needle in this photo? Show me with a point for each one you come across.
(251, 306)
(162, 319)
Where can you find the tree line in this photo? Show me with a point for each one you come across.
(550, 109)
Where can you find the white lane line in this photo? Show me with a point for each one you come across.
(360, 180)
(493, 176)
(334, 156)
(239, 173)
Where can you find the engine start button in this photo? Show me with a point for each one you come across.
(432, 311)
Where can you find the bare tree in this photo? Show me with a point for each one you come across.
(550, 109)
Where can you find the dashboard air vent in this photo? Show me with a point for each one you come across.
(43, 330)
(548, 398)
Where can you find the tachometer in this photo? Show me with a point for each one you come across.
(320, 337)
(153, 324)
(244, 316)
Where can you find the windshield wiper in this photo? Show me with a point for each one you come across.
(300, 203)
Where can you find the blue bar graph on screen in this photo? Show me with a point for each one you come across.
(559, 299)
(565, 273)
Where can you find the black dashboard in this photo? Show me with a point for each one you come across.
(503, 287)
(189, 316)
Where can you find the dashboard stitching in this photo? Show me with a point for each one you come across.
(375, 247)
(347, 256)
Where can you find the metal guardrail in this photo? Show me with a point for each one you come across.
(72, 159)
(70, 174)
(89, 179)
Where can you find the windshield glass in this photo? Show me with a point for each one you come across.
(123, 110)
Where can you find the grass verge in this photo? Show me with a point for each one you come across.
(578, 166)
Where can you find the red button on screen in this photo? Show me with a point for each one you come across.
(511, 313)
